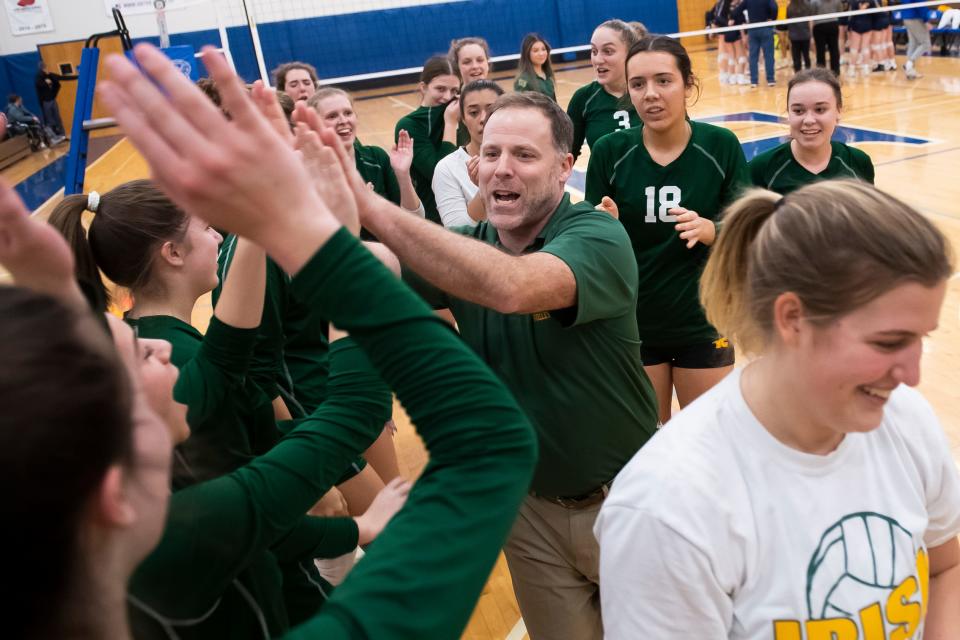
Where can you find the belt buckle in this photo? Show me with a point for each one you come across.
(587, 500)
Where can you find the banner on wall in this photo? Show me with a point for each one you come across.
(28, 16)
(136, 7)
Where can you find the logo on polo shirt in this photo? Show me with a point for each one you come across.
(540, 315)
(721, 343)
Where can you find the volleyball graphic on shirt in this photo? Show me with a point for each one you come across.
(868, 573)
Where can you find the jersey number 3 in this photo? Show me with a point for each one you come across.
(669, 198)
(622, 118)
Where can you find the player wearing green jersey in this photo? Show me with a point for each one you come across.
(432, 127)
(668, 180)
(535, 73)
(386, 171)
(814, 103)
(105, 504)
(601, 107)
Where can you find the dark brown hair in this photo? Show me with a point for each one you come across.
(437, 66)
(561, 127)
(836, 244)
(280, 73)
(478, 85)
(666, 44)
(817, 74)
(130, 224)
(526, 65)
(66, 419)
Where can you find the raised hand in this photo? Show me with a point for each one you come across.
(692, 228)
(473, 169)
(266, 101)
(608, 205)
(327, 175)
(401, 155)
(240, 175)
(34, 253)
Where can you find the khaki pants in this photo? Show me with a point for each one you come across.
(554, 562)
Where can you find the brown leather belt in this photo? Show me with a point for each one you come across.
(578, 502)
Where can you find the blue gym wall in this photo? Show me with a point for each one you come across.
(355, 43)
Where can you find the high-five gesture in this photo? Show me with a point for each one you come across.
(240, 175)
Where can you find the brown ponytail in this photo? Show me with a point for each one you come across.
(723, 285)
(129, 225)
(836, 244)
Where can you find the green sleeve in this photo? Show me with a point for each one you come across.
(737, 175)
(598, 175)
(575, 111)
(392, 187)
(216, 372)
(481, 446)
(521, 84)
(316, 537)
(758, 170)
(214, 529)
(598, 251)
(266, 366)
(864, 165)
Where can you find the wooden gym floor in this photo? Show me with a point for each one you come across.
(924, 175)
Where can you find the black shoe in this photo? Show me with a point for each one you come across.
(879, 69)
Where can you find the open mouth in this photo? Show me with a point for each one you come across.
(344, 132)
(875, 392)
(810, 132)
(476, 74)
(505, 197)
(653, 111)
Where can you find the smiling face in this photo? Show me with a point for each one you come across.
(657, 90)
(849, 367)
(813, 114)
(336, 112)
(607, 55)
(538, 53)
(476, 104)
(521, 173)
(473, 63)
(298, 84)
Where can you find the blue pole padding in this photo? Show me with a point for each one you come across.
(83, 109)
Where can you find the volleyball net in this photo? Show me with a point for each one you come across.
(387, 41)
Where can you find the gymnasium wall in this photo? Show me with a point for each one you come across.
(343, 42)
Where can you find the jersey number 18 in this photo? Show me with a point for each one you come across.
(669, 198)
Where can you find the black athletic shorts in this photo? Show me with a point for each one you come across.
(732, 36)
(861, 24)
(705, 355)
(782, 27)
(880, 21)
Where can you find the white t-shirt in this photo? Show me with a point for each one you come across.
(715, 529)
(454, 190)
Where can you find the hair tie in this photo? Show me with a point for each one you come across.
(93, 201)
(778, 204)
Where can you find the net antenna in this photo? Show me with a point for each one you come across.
(160, 7)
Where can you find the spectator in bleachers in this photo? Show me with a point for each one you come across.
(22, 121)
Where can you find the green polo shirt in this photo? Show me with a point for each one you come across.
(576, 372)
(425, 126)
(373, 164)
(709, 174)
(595, 113)
(532, 82)
(777, 169)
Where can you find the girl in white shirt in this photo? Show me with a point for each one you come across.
(812, 494)
(455, 177)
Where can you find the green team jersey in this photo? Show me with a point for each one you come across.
(532, 82)
(778, 170)
(467, 496)
(373, 164)
(230, 419)
(290, 358)
(595, 113)
(708, 175)
(425, 126)
(558, 363)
